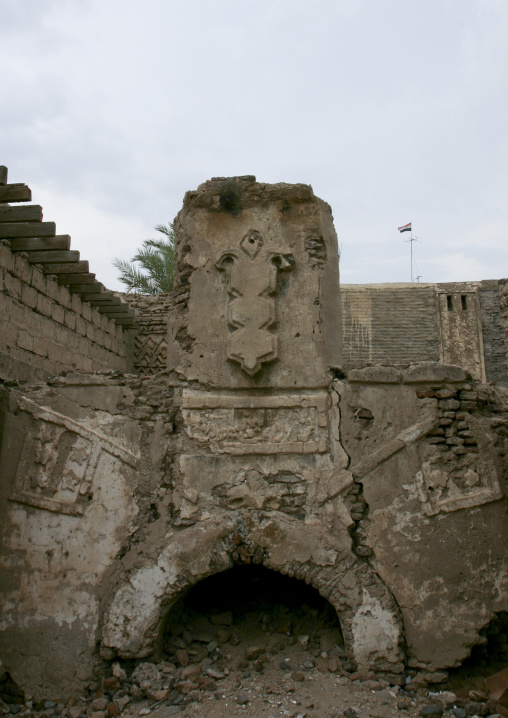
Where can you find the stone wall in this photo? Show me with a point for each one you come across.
(426, 451)
(44, 329)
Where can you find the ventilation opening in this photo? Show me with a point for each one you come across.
(10, 693)
(489, 656)
(449, 302)
(249, 619)
(463, 301)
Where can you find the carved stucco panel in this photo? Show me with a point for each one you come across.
(250, 424)
(252, 269)
(58, 463)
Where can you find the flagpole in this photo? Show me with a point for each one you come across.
(411, 242)
(409, 228)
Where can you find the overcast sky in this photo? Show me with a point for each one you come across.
(393, 110)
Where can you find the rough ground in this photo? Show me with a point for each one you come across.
(254, 644)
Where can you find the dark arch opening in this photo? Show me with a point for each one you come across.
(10, 692)
(488, 656)
(249, 616)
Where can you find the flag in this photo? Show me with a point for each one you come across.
(405, 228)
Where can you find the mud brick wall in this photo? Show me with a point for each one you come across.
(503, 301)
(493, 330)
(389, 323)
(44, 329)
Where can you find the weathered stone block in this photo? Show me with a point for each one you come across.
(40, 347)
(96, 318)
(6, 258)
(70, 320)
(12, 286)
(22, 269)
(9, 334)
(25, 341)
(39, 281)
(376, 375)
(76, 304)
(81, 326)
(48, 328)
(86, 311)
(58, 313)
(65, 297)
(449, 404)
(29, 296)
(44, 305)
(434, 373)
(52, 289)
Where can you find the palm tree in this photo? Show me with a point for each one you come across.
(157, 258)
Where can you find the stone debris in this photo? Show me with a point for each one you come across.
(497, 684)
(261, 673)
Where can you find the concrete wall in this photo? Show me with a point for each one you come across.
(44, 329)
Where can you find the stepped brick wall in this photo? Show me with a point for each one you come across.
(44, 329)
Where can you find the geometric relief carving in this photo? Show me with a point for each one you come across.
(58, 462)
(442, 489)
(150, 353)
(251, 270)
(242, 424)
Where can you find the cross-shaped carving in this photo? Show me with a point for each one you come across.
(252, 283)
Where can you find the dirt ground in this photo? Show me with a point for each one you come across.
(255, 643)
(266, 646)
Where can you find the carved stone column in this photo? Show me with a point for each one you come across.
(254, 335)
(257, 281)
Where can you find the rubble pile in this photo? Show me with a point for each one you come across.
(253, 642)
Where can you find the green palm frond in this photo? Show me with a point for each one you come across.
(156, 258)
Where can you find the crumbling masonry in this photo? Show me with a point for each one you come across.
(150, 442)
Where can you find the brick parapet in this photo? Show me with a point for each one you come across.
(44, 329)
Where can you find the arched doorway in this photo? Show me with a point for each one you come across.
(249, 616)
(133, 623)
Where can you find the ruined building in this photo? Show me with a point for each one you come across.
(151, 442)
